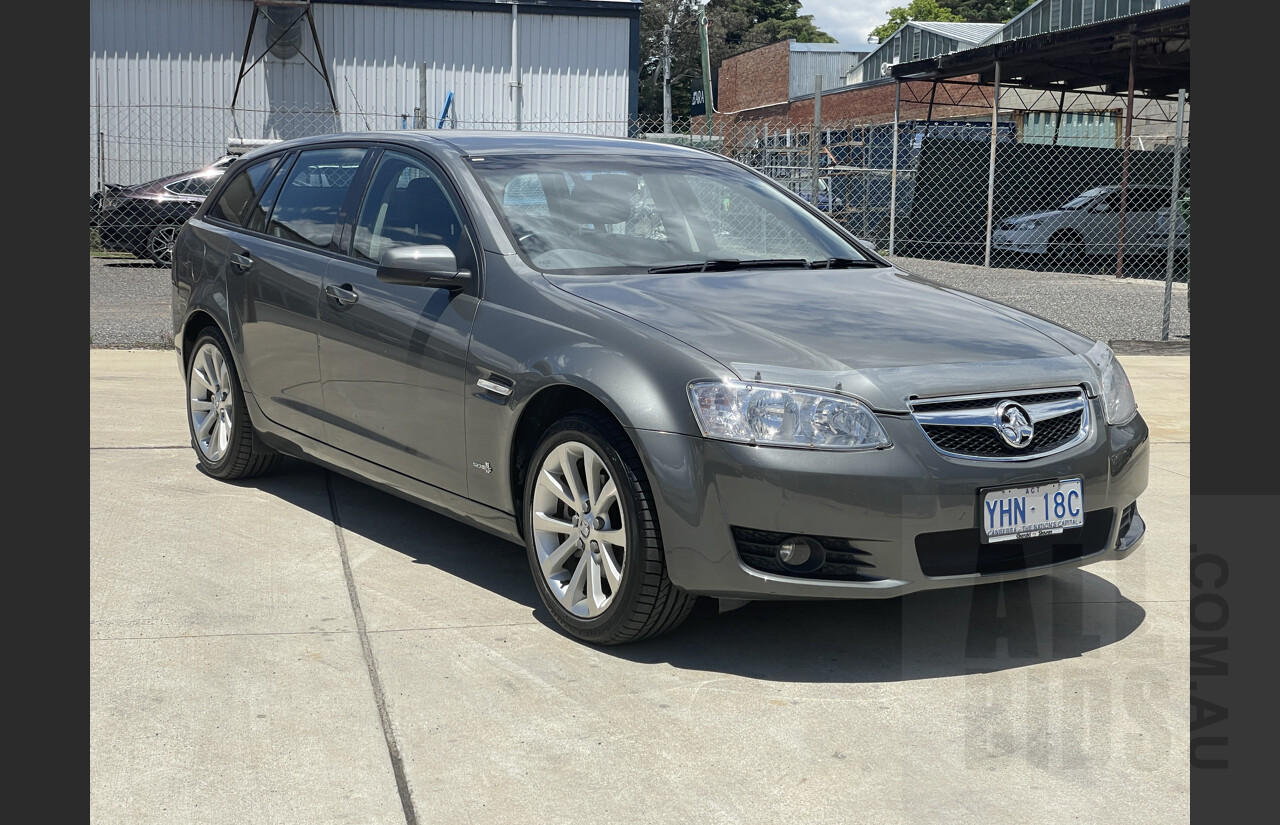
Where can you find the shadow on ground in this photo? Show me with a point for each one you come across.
(921, 636)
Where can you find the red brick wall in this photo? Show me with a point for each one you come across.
(863, 103)
(755, 78)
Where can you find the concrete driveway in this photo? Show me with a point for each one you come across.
(305, 649)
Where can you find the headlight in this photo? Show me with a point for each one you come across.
(1029, 224)
(784, 416)
(1117, 394)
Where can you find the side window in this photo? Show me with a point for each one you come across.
(241, 192)
(1108, 203)
(309, 203)
(1150, 200)
(201, 185)
(407, 204)
(257, 221)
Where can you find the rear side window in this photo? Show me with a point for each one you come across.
(1150, 200)
(242, 191)
(201, 184)
(309, 203)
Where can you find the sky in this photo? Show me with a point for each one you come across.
(849, 21)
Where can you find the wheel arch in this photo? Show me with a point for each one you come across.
(541, 411)
(191, 329)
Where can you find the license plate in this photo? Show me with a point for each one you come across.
(1026, 512)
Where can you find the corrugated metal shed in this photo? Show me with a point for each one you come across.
(830, 60)
(163, 73)
(916, 40)
(963, 32)
(1055, 15)
(921, 40)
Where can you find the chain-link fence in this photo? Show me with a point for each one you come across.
(1083, 187)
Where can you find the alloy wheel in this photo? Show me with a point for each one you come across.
(211, 402)
(579, 530)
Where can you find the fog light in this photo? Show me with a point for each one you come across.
(801, 554)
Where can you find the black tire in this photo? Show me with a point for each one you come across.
(221, 433)
(160, 243)
(570, 558)
(1066, 247)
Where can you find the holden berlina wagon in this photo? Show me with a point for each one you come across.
(665, 376)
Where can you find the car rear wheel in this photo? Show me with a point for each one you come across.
(592, 535)
(221, 432)
(160, 244)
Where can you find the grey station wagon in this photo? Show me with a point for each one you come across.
(664, 375)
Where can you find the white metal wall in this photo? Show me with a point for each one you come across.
(574, 73)
(162, 74)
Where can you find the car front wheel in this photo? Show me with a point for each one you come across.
(221, 431)
(592, 535)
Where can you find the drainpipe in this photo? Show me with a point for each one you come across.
(516, 85)
(706, 66)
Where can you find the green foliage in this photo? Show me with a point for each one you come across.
(733, 26)
(950, 11)
(986, 11)
(924, 10)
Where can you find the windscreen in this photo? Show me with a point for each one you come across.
(593, 214)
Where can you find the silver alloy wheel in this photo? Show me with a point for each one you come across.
(160, 244)
(579, 531)
(211, 403)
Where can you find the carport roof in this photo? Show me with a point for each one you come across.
(1082, 58)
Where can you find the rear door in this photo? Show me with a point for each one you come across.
(1100, 224)
(1144, 229)
(274, 268)
(392, 357)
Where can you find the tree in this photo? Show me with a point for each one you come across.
(986, 11)
(950, 11)
(679, 18)
(923, 10)
(733, 27)
(736, 26)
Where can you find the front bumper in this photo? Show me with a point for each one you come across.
(896, 521)
(1017, 242)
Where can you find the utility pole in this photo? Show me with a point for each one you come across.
(666, 78)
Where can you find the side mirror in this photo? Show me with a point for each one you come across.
(433, 266)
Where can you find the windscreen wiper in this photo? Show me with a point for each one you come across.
(725, 264)
(843, 263)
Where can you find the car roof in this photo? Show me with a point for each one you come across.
(489, 142)
(160, 183)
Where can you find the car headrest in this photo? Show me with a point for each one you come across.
(602, 199)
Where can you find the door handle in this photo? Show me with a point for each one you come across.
(341, 294)
(241, 260)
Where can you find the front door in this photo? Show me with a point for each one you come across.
(392, 357)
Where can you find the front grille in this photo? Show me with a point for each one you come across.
(758, 549)
(962, 553)
(985, 442)
(967, 426)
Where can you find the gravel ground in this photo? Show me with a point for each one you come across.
(129, 303)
